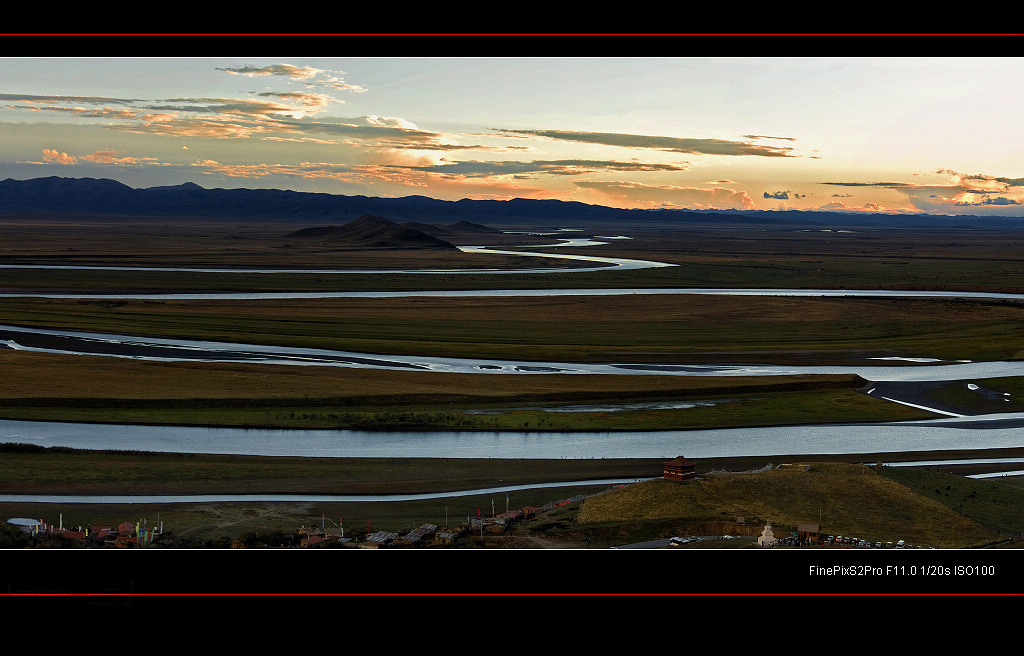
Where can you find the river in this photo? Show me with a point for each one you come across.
(985, 432)
(940, 434)
(170, 350)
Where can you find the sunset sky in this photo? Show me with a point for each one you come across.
(939, 135)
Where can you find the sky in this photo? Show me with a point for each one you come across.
(908, 135)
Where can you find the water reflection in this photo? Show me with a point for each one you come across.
(605, 262)
(168, 350)
(499, 293)
(764, 441)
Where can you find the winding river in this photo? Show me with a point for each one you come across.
(953, 432)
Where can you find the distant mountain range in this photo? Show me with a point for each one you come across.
(56, 196)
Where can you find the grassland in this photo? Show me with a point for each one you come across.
(651, 329)
(56, 387)
(660, 328)
(887, 504)
(918, 505)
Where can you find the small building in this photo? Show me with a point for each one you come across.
(807, 532)
(417, 536)
(680, 469)
(450, 535)
(312, 540)
(510, 516)
(378, 539)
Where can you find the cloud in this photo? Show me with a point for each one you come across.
(384, 178)
(641, 195)
(287, 70)
(839, 206)
(979, 181)
(778, 195)
(312, 102)
(962, 190)
(301, 105)
(55, 157)
(566, 167)
(998, 200)
(210, 128)
(304, 170)
(90, 100)
(269, 114)
(888, 185)
(306, 74)
(669, 144)
(761, 136)
(115, 157)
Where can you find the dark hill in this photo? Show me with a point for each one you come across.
(460, 229)
(369, 231)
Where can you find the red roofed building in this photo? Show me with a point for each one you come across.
(680, 469)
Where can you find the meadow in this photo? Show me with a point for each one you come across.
(634, 328)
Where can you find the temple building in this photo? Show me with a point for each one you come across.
(680, 469)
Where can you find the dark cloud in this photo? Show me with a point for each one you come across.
(670, 144)
(762, 136)
(93, 100)
(890, 185)
(778, 195)
(550, 167)
(998, 200)
(1009, 182)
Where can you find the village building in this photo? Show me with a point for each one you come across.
(416, 536)
(378, 540)
(450, 535)
(807, 533)
(312, 540)
(680, 469)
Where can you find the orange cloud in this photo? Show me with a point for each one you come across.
(114, 157)
(627, 194)
(56, 157)
(839, 206)
(670, 144)
(287, 70)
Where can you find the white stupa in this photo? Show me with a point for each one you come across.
(766, 539)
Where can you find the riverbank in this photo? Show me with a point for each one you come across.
(220, 522)
(33, 469)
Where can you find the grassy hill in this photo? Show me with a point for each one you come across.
(370, 231)
(856, 500)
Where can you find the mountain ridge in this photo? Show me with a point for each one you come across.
(92, 196)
